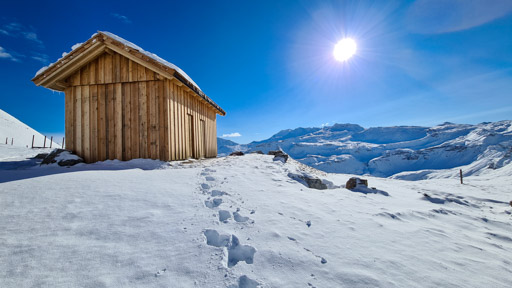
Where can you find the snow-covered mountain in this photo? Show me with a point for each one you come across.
(405, 152)
(12, 128)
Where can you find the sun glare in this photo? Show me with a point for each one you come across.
(345, 49)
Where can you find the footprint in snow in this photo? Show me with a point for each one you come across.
(205, 186)
(224, 215)
(245, 282)
(213, 203)
(218, 193)
(239, 218)
(209, 178)
(236, 251)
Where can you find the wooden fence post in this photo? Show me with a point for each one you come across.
(44, 145)
(460, 172)
(51, 141)
(33, 141)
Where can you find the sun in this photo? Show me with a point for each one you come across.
(345, 49)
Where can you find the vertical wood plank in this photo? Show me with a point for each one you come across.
(92, 72)
(124, 69)
(102, 120)
(172, 128)
(118, 122)
(78, 120)
(84, 75)
(143, 125)
(141, 73)
(167, 119)
(133, 71)
(152, 125)
(180, 125)
(135, 137)
(111, 140)
(75, 78)
(93, 120)
(108, 70)
(100, 70)
(116, 65)
(127, 116)
(161, 122)
(86, 124)
(69, 104)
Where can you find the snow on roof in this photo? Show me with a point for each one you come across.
(151, 55)
(133, 46)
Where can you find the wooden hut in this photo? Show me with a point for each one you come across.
(122, 102)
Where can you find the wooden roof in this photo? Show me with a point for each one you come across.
(54, 76)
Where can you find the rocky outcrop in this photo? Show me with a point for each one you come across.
(62, 157)
(354, 182)
(309, 181)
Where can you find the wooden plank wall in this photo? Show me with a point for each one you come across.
(118, 109)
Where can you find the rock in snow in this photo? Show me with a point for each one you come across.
(62, 158)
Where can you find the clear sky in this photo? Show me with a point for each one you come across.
(270, 64)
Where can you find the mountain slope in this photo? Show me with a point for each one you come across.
(12, 128)
(386, 151)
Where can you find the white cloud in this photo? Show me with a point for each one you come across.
(18, 30)
(43, 58)
(236, 134)
(5, 55)
(444, 16)
(121, 17)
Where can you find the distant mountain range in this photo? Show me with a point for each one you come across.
(403, 152)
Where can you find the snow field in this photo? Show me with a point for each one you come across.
(242, 222)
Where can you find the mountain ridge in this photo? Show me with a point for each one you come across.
(392, 151)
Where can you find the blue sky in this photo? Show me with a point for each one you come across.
(269, 64)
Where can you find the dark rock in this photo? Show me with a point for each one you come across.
(283, 158)
(50, 158)
(309, 181)
(41, 156)
(279, 155)
(354, 182)
(237, 153)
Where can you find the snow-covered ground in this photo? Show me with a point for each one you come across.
(19, 134)
(242, 222)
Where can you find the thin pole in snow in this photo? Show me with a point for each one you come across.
(32, 141)
(62, 143)
(460, 172)
(51, 141)
(6, 138)
(12, 141)
(44, 145)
